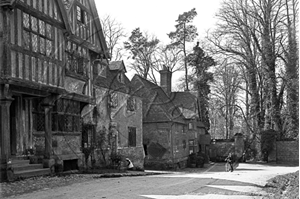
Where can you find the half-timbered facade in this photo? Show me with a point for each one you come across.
(49, 51)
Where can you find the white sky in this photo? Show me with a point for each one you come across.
(158, 17)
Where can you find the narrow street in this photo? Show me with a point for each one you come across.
(211, 182)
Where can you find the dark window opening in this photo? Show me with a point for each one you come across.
(145, 149)
(70, 165)
(131, 136)
(80, 15)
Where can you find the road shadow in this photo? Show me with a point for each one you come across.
(238, 169)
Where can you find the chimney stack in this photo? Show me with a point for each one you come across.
(166, 79)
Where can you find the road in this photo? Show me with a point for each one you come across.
(212, 182)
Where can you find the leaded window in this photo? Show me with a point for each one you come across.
(42, 27)
(76, 60)
(66, 116)
(37, 35)
(38, 115)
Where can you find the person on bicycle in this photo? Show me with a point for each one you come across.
(229, 160)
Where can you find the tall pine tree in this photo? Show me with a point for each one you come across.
(201, 63)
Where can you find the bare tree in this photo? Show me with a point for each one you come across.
(232, 38)
(142, 48)
(114, 34)
(225, 89)
(291, 60)
(169, 56)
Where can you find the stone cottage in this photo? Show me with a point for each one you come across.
(117, 118)
(170, 126)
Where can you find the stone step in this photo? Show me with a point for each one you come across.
(32, 173)
(27, 167)
(19, 162)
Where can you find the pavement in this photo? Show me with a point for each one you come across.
(247, 181)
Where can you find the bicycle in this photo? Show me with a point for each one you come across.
(227, 167)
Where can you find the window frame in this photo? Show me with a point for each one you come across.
(131, 104)
(46, 35)
(132, 136)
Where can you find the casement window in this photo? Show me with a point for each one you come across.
(190, 126)
(38, 36)
(131, 136)
(38, 116)
(131, 104)
(192, 147)
(66, 116)
(83, 23)
(76, 59)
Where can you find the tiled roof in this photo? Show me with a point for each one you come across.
(117, 65)
(157, 106)
(186, 100)
(111, 82)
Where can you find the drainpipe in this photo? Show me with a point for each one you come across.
(172, 143)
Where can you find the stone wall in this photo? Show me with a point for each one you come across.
(287, 151)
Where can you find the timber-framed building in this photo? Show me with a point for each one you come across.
(50, 53)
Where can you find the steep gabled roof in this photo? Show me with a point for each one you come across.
(99, 30)
(111, 82)
(157, 106)
(65, 12)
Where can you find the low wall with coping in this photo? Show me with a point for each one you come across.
(287, 151)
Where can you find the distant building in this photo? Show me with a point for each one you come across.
(171, 130)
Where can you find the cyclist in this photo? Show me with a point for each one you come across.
(229, 160)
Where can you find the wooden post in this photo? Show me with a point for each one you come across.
(48, 132)
(5, 129)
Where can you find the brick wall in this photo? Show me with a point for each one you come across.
(287, 151)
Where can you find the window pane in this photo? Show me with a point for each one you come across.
(49, 31)
(33, 23)
(34, 42)
(25, 20)
(42, 45)
(26, 39)
(78, 13)
(68, 123)
(42, 27)
(48, 47)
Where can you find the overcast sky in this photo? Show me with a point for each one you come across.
(158, 17)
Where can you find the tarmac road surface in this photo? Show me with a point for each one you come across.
(211, 182)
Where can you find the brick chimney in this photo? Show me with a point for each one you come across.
(166, 79)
